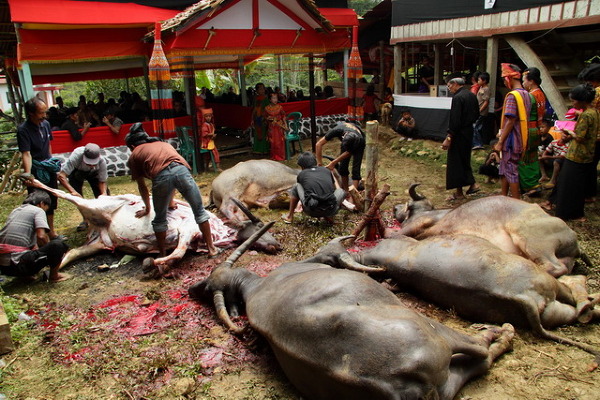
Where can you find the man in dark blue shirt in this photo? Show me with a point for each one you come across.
(34, 136)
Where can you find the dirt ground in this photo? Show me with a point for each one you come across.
(114, 335)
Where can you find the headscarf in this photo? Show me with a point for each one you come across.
(509, 72)
(207, 111)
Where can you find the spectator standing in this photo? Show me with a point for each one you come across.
(33, 137)
(426, 75)
(591, 75)
(483, 99)
(370, 103)
(208, 134)
(463, 114)
(573, 181)
(514, 127)
(260, 144)
(276, 127)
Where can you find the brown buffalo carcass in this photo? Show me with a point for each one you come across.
(515, 226)
(255, 183)
(481, 282)
(338, 334)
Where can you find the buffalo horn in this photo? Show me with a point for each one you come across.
(412, 191)
(244, 246)
(348, 262)
(245, 210)
(219, 301)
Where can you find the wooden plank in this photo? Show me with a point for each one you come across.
(529, 57)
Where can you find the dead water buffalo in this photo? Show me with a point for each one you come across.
(254, 182)
(482, 283)
(515, 226)
(113, 225)
(338, 334)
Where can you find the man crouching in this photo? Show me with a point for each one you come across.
(316, 189)
(25, 247)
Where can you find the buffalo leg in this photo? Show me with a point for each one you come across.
(467, 365)
(80, 252)
(585, 302)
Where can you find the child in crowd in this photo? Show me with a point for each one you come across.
(208, 136)
(407, 126)
(490, 167)
(554, 155)
(545, 136)
(370, 103)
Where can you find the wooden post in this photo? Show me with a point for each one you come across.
(372, 159)
(9, 170)
(373, 213)
(398, 69)
(6, 344)
(312, 106)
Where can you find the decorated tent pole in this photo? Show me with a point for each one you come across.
(160, 88)
(355, 110)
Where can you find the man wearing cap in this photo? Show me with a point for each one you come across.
(158, 161)
(353, 145)
(70, 125)
(464, 111)
(84, 164)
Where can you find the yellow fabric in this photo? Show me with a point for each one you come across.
(522, 117)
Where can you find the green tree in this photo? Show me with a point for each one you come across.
(362, 6)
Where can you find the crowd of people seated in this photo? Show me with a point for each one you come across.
(129, 107)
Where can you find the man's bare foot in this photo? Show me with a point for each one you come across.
(287, 219)
(215, 253)
(60, 277)
(544, 179)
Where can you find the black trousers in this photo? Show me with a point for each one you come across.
(33, 261)
(78, 178)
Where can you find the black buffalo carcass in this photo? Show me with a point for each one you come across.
(513, 225)
(339, 334)
(481, 283)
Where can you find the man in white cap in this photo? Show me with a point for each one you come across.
(84, 164)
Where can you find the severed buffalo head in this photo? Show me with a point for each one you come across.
(417, 205)
(266, 242)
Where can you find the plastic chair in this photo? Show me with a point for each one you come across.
(186, 147)
(293, 134)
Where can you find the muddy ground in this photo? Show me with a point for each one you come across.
(114, 335)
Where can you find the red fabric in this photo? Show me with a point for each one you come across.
(103, 137)
(239, 117)
(340, 16)
(85, 12)
(88, 76)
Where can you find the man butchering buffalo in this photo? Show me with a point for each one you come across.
(316, 189)
(353, 145)
(158, 161)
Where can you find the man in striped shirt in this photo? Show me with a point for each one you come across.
(25, 248)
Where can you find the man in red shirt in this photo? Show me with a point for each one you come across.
(158, 161)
